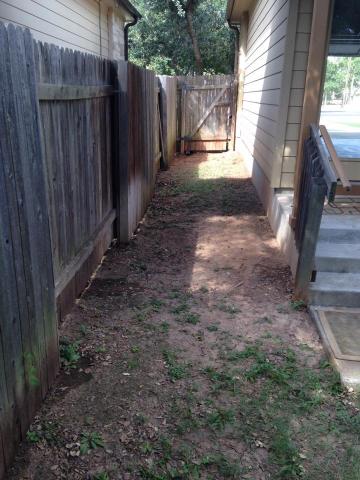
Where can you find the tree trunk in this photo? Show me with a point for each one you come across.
(194, 40)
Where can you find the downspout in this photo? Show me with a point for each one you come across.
(237, 41)
(126, 36)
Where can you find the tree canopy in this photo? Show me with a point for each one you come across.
(181, 37)
(342, 79)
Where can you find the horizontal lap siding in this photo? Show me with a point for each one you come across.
(118, 37)
(297, 92)
(76, 24)
(262, 87)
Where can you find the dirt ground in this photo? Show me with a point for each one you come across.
(186, 358)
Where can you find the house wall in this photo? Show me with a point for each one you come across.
(86, 25)
(116, 35)
(266, 47)
(303, 31)
(275, 71)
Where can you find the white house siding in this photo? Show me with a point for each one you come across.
(303, 31)
(77, 24)
(116, 34)
(267, 37)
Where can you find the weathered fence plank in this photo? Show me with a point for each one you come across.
(138, 145)
(29, 356)
(168, 93)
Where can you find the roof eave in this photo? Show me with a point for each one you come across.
(235, 9)
(130, 8)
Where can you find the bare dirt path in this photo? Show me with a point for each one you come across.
(186, 359)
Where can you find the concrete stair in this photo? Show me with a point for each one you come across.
(337, 262)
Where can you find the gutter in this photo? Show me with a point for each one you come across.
(236, 29)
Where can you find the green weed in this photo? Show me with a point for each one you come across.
(146, 448)
(181, 308)
(33, 437)
(90, 441)
(284, 453)
(297, 305)
(212, 328)
(101, 476)
(176, 370)
(220, 418)
(192, 318)
(69, 354)
(164, 327)
(221, 380)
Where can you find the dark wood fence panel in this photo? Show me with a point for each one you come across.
(168, 100)
(76, 96)
(139, 144)
(206, 106)
(28, 330)
(78, 134)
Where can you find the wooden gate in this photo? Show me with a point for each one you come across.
(206, 119)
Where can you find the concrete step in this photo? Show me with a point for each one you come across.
(338, 257)
(335, 289)
(348, 368)
(340, 229)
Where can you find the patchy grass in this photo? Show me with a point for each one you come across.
(176, 370)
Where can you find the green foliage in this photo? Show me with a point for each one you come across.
(176, 370)
(297, 305)
(218, 419)
(90, 441)
(192, 318)
(342, 79)
(33, 437)
(160, 41)
(101, 476)
(285, 454)
(69, 354)
(164, 327)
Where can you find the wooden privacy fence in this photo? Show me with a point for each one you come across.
(75, 94)
(28, 331)
(206, 113)
(168, 101)
(139, 144)
(79, 149)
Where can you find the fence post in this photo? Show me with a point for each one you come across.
(28, 328)
(310, 237)
(122, 151)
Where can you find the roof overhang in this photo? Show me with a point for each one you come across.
(129, 7)
(236, 8)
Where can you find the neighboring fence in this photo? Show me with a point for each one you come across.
(79, 151)
(318, 181)
(206, 113)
